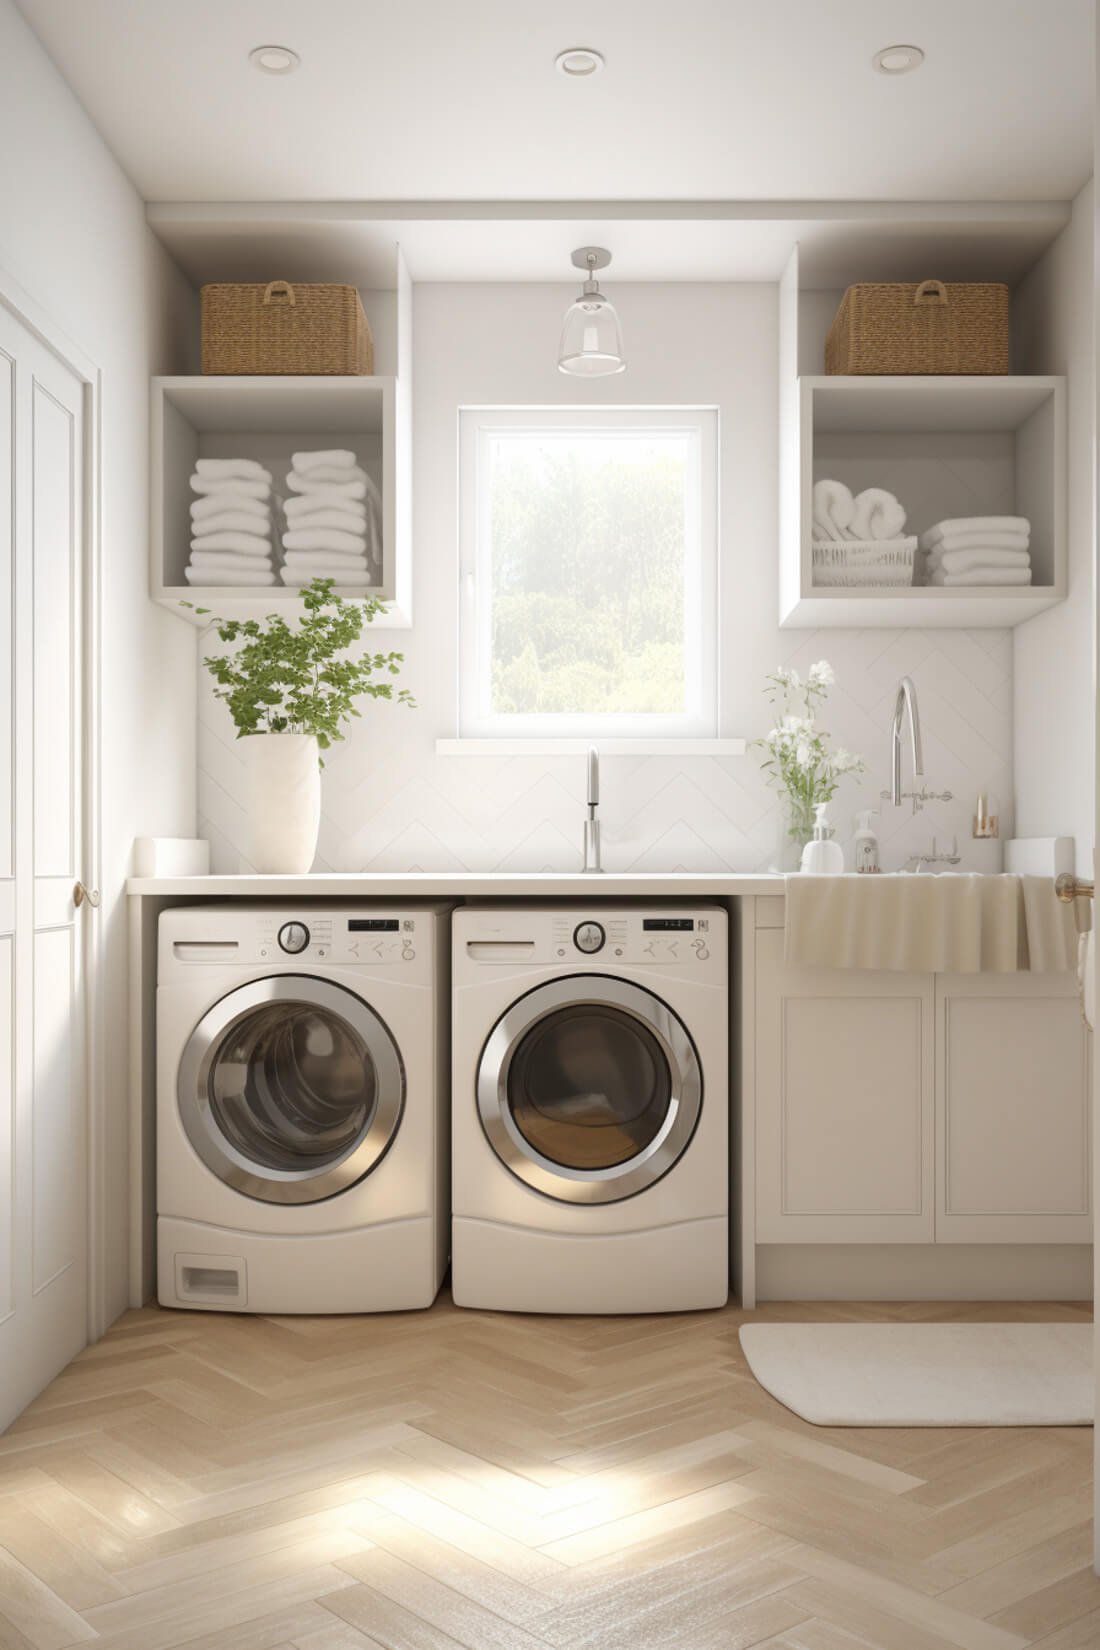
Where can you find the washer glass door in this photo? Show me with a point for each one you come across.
(589, 1089)
(291, 1089)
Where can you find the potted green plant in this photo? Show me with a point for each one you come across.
(290, 688)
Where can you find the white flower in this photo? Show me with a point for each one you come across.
(822, 675)
(798, 724)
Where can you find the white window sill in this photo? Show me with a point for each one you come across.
(578, 747)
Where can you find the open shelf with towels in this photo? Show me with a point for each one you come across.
(944, 446)
(270, 418)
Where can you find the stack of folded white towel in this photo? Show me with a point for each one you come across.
(333, 522)
(975, 550)
(230, 523)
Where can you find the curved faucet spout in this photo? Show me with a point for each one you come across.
(906, 702)
(592, 859)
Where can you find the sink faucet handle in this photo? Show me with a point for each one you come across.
(593, 777)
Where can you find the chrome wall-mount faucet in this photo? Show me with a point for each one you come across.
(906, 705)
(906, 701)
(592, 822)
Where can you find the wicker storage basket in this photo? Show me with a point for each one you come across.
(308, 327)
(934, 327)
(863, 564)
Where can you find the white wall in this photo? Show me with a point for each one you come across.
(73, 235)
(391, 803)
(1054, 652)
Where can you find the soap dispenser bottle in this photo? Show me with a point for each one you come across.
(821, 856)
(866, 842)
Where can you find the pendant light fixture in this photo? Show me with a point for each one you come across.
(591, 342)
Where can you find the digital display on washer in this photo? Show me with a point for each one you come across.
(682, 925)
(373, 925)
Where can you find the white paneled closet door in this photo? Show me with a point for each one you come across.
(43, 1101)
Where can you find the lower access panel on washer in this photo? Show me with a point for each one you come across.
(681, 1268)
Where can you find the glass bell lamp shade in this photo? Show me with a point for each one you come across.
(591, 342)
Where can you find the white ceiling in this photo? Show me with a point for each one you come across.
(437, 100)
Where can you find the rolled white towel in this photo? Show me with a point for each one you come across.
(988, 540)
(960, 561)
(297, 576)
(324, 538)
(327, 558)
(330, 489)
(248, 544)
(231, 559)
(218, 468)
(983, 575)
(876, 514)
(979, 524)
(313, 504)
(217, 502)
(328, 458)
(222, 576)
(832, 509)
(343, 520)
(230, 487)
(232, 521)
(326, 475)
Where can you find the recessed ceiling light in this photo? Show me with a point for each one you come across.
(274, 60)
(898, 59)
(579, 62)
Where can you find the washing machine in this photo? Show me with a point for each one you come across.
(302, 1108)
(590, 1108)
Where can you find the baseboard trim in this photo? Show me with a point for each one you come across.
(923, 1272)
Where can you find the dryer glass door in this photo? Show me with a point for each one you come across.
(291, 1089)
(589, 1089)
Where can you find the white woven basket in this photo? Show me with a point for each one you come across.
(864, 564)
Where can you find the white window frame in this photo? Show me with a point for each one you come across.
(477, 425)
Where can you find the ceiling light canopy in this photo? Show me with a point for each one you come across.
(274, 59)
(591, 339)
(898, 59)
(578, 62)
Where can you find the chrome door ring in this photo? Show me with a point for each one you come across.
(254, 1180)
(622, 1180)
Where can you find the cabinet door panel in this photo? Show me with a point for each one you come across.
(1014, 1136)
(844, 1103)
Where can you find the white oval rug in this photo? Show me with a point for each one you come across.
(927, 1374)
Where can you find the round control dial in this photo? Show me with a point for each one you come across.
(293, 937)
(589, 937)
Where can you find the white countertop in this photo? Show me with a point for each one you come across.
(466, 885)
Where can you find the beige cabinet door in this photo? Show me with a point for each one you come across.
(43, 1104)
(1013, 1107)
(845, 1110)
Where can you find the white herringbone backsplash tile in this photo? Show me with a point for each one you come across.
(392, 804)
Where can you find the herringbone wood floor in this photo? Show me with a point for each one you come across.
(455, 1479)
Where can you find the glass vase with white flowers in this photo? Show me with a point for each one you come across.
(799, 757)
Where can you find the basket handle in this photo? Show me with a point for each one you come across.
(282, 289)
(930, 292)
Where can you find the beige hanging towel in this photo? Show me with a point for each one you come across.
(947, 924)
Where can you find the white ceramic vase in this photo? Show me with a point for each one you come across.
(284, 801)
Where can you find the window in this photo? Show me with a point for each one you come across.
(588, 572)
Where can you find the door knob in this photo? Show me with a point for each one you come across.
(80, 894)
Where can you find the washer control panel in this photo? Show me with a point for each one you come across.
(623, 935)
(339, 937)
(304, 938)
